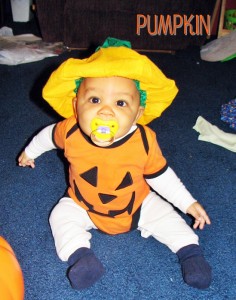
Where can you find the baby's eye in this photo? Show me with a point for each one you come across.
(94, 100)
(121, 103)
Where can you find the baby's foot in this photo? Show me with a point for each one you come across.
(85, 269)
(195, 269)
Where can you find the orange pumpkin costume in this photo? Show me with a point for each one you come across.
(111, 190)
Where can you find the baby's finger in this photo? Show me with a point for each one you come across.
(207, 219)
(196, 224)
(31, 163)
(22, 164)
(199, 222)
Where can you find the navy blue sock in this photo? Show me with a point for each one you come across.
(195, 269)
(85, 268)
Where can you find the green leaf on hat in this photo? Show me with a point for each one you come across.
(113, 42)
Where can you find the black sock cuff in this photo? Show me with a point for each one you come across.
(74, 257)
(189, 251)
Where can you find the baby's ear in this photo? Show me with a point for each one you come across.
(139, 114)
(74, 104)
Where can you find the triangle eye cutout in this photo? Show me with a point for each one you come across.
(91, 176)
(126, 181)
(105, 198)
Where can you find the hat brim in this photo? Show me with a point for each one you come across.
(109, 62)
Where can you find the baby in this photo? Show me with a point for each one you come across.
(115, 161)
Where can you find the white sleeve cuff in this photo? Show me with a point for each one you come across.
(170, 187)
(41, 143)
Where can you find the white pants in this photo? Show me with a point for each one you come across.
(70, 225)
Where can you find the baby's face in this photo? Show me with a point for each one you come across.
(112, 99)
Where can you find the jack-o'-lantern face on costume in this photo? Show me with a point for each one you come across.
(108, 189)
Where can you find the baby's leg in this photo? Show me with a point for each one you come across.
(160, 220)
(70, 224)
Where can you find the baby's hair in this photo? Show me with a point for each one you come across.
(143, 94)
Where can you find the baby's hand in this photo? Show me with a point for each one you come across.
(200, 215)
(24, 160)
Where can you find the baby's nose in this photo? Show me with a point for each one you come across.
(106, 111)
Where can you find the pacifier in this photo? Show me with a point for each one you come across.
(103, 131)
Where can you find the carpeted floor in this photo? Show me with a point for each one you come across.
(136, 268)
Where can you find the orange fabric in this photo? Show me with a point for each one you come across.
(11, 277)
(108, 182)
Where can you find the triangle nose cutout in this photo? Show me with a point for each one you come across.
(105, 198)
(91, 176)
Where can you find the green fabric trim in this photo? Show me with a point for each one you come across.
(77, 84)
(113, 42)
(143, 94)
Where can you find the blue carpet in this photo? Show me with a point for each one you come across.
(136, 268)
